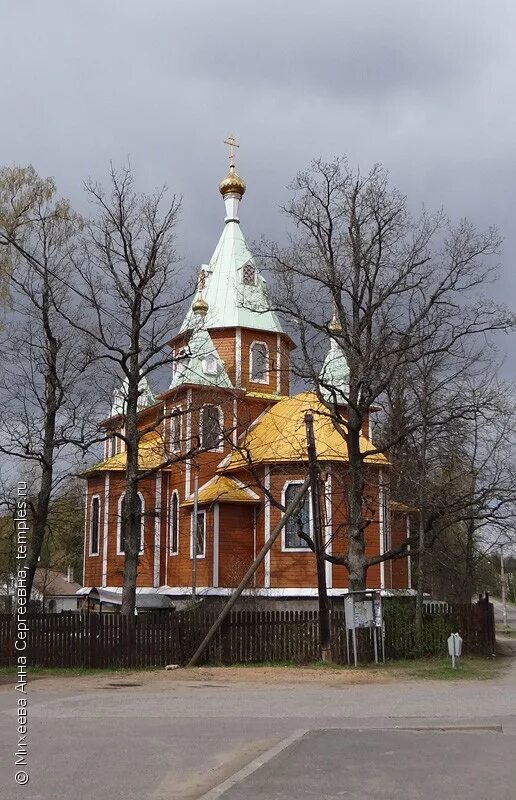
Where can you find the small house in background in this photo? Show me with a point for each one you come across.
(52, 592)
(55, 591)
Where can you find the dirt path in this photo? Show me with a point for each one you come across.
(155, 680)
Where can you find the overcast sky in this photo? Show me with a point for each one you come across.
(426, 88)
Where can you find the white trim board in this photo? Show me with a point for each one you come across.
(210, 591)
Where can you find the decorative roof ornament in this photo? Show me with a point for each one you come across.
(232, 183)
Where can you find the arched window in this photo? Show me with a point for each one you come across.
(140, 510)
(211, 427)
(209, 365)
(292, 539)
(174, 524)
(259, 362)
(175, 430)
(200, 538)
(94, 525)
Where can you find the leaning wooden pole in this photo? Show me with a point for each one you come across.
(291, 508)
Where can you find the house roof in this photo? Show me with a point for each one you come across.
(151, 454)
(402, 508)
(51, 583)
(279, 436)
(272, 398)
(143, 599)
(223, 489)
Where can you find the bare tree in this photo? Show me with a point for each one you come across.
(128, 276)
(453, 461)
(399, 287)
(43, 382)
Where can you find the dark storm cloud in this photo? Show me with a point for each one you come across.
(424, 87)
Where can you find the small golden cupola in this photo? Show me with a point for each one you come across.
(232, 187)
(199, 306)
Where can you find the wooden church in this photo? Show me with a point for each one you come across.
(229, 401)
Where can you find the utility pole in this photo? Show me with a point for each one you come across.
(502, 578)
(194, 533)
(315, 489)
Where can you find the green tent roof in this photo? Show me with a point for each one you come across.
(233, 303)
(201, 363)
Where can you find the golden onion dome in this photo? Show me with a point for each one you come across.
(232, 184)
(200, 306)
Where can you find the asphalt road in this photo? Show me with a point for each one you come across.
(386, 765)
(133, 743)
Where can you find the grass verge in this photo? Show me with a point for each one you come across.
(78, 672)
(468, 668)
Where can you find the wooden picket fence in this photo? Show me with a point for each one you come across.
(148, 640)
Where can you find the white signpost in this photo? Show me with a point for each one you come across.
(454, 647)
(364, 610)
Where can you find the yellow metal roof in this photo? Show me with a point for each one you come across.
(151, 453)
(223, 489)
(280, 436)
(403, 508)
(266, 396)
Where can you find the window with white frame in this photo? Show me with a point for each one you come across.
(94, 525)
(140, 514)
(386, 517)
(259, 362)
(174, 524)
(301, 520)
(211, 428)
(209, 365)
(199, 536)
(175, 430)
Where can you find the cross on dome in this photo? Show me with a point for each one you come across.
(232, 186)
(232, 142)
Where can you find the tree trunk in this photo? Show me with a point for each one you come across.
(469, 587)
(39, 525)
(357, 568)
(132, 521)
(418, 619)
(42, 504)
